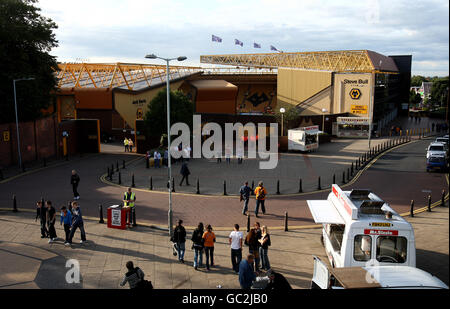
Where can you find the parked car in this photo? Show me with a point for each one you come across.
(437, 149)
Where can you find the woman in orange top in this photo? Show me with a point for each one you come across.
(209, 238)
(260, 193)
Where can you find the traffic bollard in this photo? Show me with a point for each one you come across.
(112, 169)
(248, 223)
(123, 163)
(411, 211)
(117, 166)
(147, 164)
(15, 203)
(351, 169)
(429, 203)
(348, 174)
(334, 178)
(278, 186)
(100, 210)
(132, 181)
(285, 221)
(318, 186)
(198, 186)
(151, 183)
(343, 177)
(300, 189)
(108, 173)
(120, 179)
(253, 187)
(224, 187)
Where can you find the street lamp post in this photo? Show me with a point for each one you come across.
(282, 111)
(169, 163)
(324, 110)
(17, 118)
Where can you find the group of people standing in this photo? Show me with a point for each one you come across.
(71, 218)
(203, 241)
(128, 144)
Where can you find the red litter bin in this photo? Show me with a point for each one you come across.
(117, 217)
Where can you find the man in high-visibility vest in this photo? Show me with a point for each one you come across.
(125, 143)
(129, 198)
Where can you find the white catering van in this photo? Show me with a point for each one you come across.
(304, 139)
(360, 229)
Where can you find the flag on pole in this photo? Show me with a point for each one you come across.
(273, 48)
(237, 42)
(256, 45)
(216, 39)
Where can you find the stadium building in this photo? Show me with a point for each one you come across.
(347, 89)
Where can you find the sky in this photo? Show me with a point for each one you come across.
(126, 31)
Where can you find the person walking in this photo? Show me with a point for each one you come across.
(179, 239)
(209, 238)
(258, 232)
(264, 248)
(135, 277)
(197, 245)
(246, 272)
(166, 158)
(129, 199)
(41, 213)
(185, 173)
(130, 144)
(125, 144)
(260, 193)
(66, 219)
(253, 246)
(245, 192)
(235, 240)
(51, 219)
(77, 222)
(74, 181)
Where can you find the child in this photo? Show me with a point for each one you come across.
(66, 218)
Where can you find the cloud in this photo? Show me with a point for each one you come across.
(127, 30)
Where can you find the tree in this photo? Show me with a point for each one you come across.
(26, 39)
(181, 110)
(414, 98)
(439, 91)
(417, 80)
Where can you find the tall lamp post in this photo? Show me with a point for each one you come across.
(324, 110)
(169, 163)
(282, 111)
(17, 118)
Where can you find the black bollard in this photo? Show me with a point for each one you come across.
(318, 185)
(123, 163)
(351, 168)
(15, 203)
(411, 212)
(300, 189)
(108, 173)
(334, 179)
(248, 223)
(100, 210)
(285, 221)
(151, 183)
(117, 166)
(43, 202)
(1, 174)
(343, 177)
(173, 184)
(348, 174)
(112, 169)
(224, 187)
(253, 187)
(198, 186)
(147, 164)
(429, 203)
(132, 181)
(443, 198)
(278, 186)
(120, 179)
